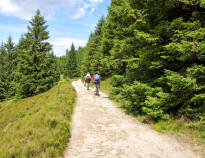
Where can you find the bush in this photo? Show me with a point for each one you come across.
(141, 98)
(135, 95)
(198, 99)
(179, 98)
(181, 88)
(118, 81)
(156, 107)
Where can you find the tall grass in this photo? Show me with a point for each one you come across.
(37, 127)
(106, 85)
(195, 130)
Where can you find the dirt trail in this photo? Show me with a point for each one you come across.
(102, 130)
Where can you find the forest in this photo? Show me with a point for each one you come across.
(154, 51)
(151, 57)
(30, 67)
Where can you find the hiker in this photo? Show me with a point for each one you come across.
(87, 80)
(96, 79)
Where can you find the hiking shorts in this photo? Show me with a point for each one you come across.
(96, 82)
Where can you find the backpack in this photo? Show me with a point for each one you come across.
(97, 77)
(88, 77)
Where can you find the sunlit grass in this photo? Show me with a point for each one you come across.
(38, 126)
(106, 86)
(196, 130)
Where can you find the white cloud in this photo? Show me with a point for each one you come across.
(6, 6)
(60, 44)
(82, 10)
(96, 1)
(92, 10)
(80, 13)
(25, 9)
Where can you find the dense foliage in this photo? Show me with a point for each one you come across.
(7, 68)
(90, 62)
(69, 65)
(154, 50)
(29, 67)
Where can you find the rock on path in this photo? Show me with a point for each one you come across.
(100, 129)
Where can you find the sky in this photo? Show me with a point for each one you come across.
(68, 20)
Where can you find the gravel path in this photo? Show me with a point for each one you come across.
(100, 129)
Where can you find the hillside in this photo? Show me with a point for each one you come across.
(38, 126)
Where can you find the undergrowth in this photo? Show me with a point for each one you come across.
(178, 126)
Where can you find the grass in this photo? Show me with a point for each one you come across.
(195, 131)
(39, 126)
(105, 86)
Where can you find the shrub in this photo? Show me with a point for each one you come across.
(181, 88)
(135, 95)
(156, 107)
(141, 98)
(118, 81)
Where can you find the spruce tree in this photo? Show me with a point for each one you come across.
(93, 56)
(35, 71)
(3, 73)
(155, 52)
(71, 63)
(61, 65)
(7, 68)
(10, 65)
(80, 58)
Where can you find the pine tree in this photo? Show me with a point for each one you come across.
(53, 67)
(61, 65)
(92, 53)
(7, 68)
(80, 58)
(3, 74)
(155, 50)
(71, 63)
(11, 66)
(34, 72)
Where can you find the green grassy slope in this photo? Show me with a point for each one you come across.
(38, 126)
